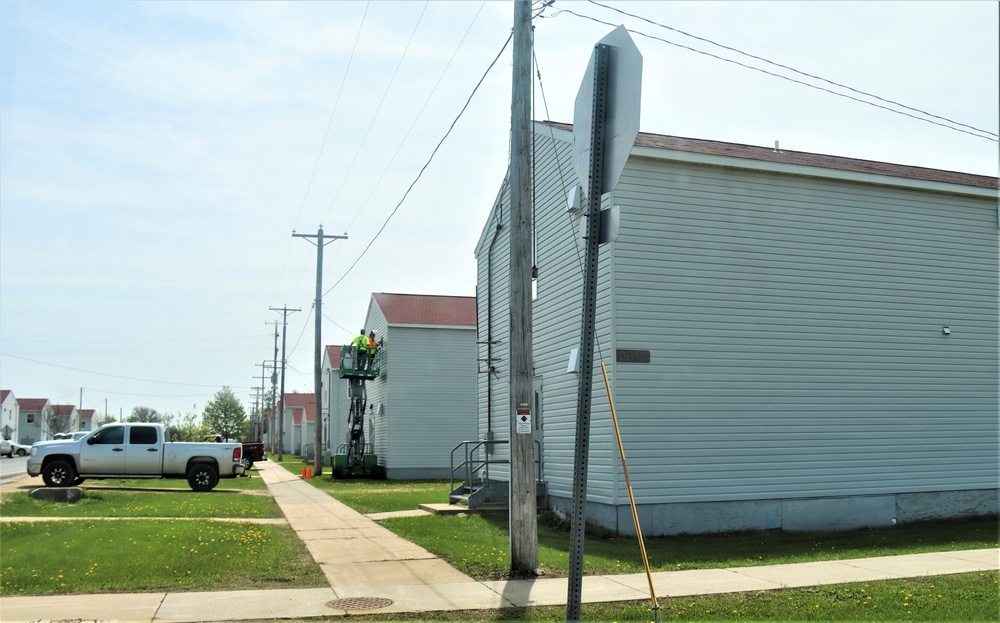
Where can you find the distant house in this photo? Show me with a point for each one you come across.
(86, 419)
(8, 414)
(300, 417)
(31, 413)
(60, 419)
(424, 402)
(793, 340)
(335, 401)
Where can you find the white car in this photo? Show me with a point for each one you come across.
(71, 436)
(10, 448)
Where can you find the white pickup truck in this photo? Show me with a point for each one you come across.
(134, 450)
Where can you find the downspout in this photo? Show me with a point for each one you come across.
(489, 331)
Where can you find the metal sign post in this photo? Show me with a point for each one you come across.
(605, 124)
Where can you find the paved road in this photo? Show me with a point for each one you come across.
(13, 467)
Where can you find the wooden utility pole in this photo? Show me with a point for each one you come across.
(274, 386)
(523, 505)
(320, 242)
(281, 400)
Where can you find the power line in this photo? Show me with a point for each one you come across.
(424, 168)
(417, 117)
(989, 135)
(172, 340)
(378, 109)
(117, 376)
(336, 106)
(792, 69)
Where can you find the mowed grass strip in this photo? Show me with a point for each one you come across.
(967, 597)
(111, 503)
(374, 496)
(252, 482)
(477, 545)
(86, 556)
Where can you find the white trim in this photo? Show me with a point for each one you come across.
(658, 153)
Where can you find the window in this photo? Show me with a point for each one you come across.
(31, 418)
(109, 436)
(142, 435)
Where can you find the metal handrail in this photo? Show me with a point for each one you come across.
(472, 468)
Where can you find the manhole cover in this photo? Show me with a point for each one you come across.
(359, 603)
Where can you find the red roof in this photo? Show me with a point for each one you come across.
(427, 309)
(801, 158)
(299, 403)
(3, 394)
(32, 404)
(86, 414)
(333, 354)
(63, 409)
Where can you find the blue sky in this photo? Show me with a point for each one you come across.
(156, 156)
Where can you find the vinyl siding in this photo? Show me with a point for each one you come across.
(493, 320)
(336, 404)
(428, 392)
(377, 431)
(794, 325)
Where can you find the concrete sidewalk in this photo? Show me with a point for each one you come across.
(371, 570)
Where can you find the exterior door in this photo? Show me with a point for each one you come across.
(104, 452)
(143, 455)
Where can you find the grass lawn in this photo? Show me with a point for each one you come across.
(375, 496)
(252, 483)
(111, 503)
(86, 556)
(477, 545)
(968, 597)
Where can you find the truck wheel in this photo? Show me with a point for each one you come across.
(202, 477)
(338, 472)
(22, 452)
(247, 463)
(58, 473)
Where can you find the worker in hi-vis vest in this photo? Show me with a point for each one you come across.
(372, 347)
(360, 348)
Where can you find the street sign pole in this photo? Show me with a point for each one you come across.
(583, 398)
(605, 124)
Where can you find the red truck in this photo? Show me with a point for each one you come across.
(253, 451)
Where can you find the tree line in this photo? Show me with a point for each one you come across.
(223, 415)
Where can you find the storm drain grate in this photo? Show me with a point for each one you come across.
(359, 603)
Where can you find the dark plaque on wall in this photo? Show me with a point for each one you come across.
(632, 356)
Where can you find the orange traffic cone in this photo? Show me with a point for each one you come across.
(303, 471)
(309, 472)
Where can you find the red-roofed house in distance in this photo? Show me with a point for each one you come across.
(8, 414)
(300, 417)
(423, 404)
(31, 412)
(86, 419)
(60, 419)
(335, 402)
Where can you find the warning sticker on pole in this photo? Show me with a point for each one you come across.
(523, 419)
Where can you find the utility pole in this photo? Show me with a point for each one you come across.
(320, 241)
(281, 401)
(257, 423)
(274, 383)
(523, 501)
